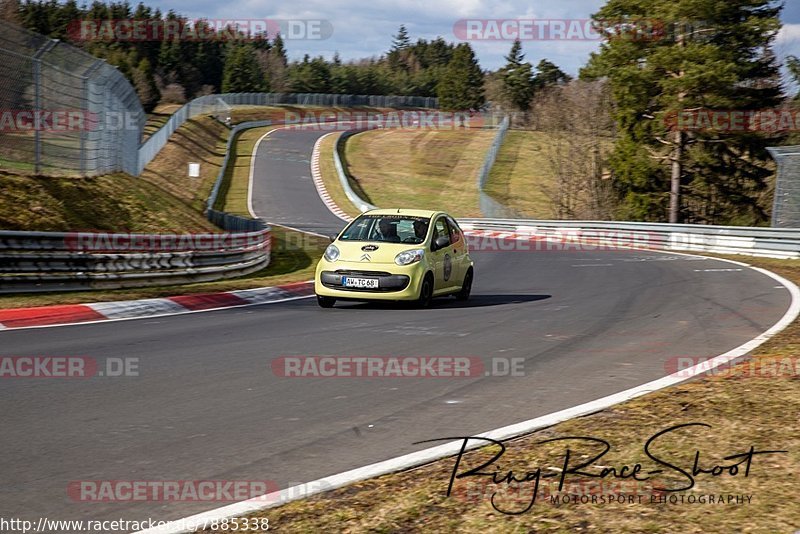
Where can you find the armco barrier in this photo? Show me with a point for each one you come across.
(751, 241)
(221, 219)
(49, 261)
(344, 176)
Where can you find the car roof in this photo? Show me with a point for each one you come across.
(403, 211)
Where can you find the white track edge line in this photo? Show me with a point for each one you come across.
(319, 184)
(507, 432)
(252, 170)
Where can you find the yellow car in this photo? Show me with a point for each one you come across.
(396, 254)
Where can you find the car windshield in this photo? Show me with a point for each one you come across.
(387, 229)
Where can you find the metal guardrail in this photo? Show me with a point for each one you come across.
(212, 199)
(54, 261)
(786, 204)
(751, 241)
(344, 174)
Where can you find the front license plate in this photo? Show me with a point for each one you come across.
(361, 283)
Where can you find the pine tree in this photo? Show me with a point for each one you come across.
(310, 76)
(401, 41)
(279, 49)
(242, 73)
(517, 78)
(662, 171)
(461, 85)
(548, 74)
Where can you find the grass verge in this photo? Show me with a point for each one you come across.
(420, 169)
(235, 184)
(200, 140)
(110, 203)
(158, 117)
(744, 409)
(521, 174)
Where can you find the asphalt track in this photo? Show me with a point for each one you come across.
(207, 405)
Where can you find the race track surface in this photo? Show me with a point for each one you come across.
(207, 404)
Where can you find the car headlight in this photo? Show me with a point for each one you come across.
(407, 257)
(332, 253)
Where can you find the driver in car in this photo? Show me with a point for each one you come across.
(388, 231)
(420, 230)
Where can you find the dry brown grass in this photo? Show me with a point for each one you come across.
(200, 140)
(420, 169)
(743, 409)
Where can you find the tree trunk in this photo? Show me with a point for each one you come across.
(675, 189)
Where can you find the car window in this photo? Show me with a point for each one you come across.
(440, 229)
(455, 231)
(387, 229)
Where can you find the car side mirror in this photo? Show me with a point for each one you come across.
(440, 242)
(333, 237)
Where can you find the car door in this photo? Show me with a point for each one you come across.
(459, 247)
(442, 257)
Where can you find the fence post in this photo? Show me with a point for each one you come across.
(37, 102)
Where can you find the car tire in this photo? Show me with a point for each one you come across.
(466, 287)
(325, 302)
(425, 292)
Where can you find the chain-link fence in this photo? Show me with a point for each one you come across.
(786, 206)
(63, 111)
(489, 206)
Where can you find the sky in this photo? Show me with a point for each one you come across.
(365, 29)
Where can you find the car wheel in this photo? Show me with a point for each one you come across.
(426, 292)
(326, 302)
(466, 287)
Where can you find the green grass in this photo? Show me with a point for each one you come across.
(420, 169)
(743, 409)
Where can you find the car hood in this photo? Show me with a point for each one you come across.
(384, 253)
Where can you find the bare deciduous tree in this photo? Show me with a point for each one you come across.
(577, 118)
